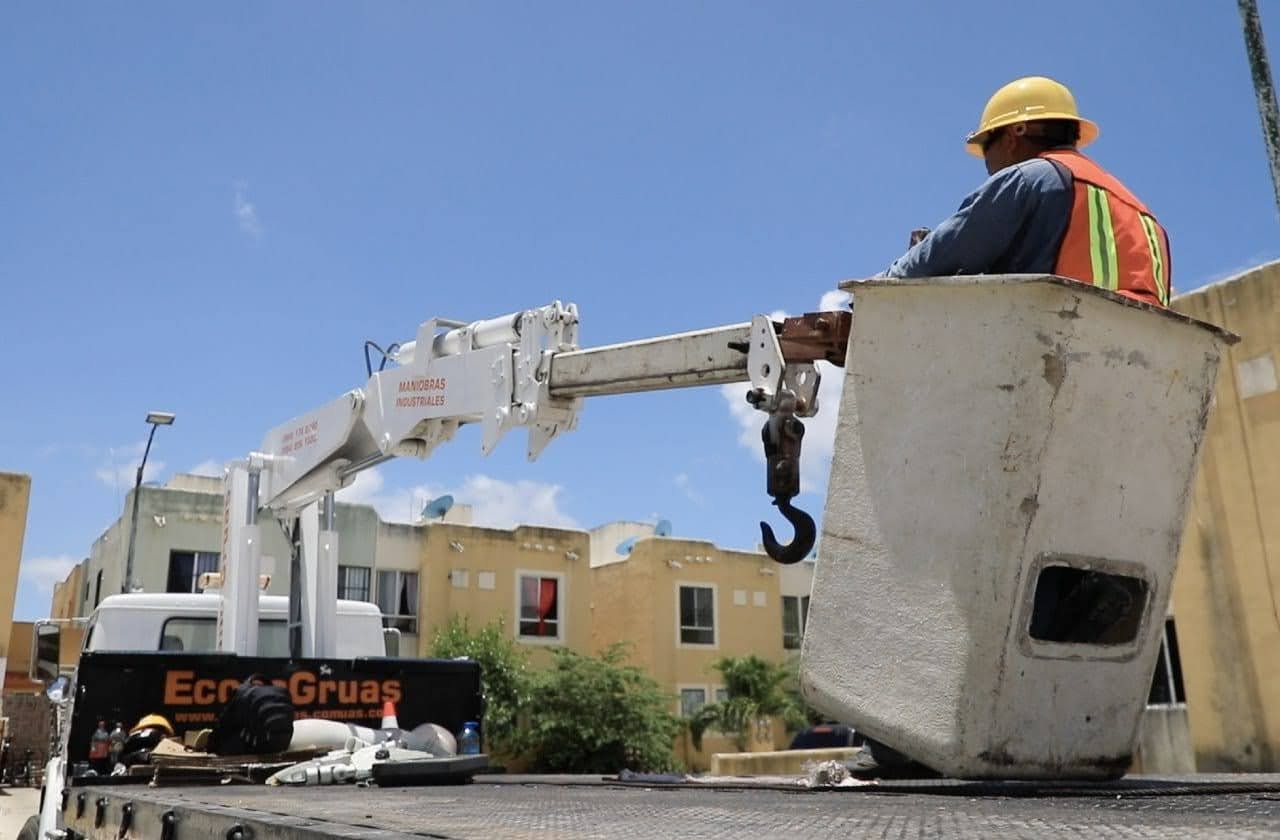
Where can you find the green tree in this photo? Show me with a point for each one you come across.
(812, 717)
(598, 715)
(756, 689)
(505, 678)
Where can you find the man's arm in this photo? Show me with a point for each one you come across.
(980, 232)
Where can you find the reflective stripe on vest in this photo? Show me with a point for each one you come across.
(1102, 240)
(1112, 240)
(1157, 256)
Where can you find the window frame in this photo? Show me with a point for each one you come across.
(396, 619)
(561, 612)
(681, 688)
(196, 557)
(344, 568)
(714, 644)
(802, 617)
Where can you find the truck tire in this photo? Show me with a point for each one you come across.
(30, 829)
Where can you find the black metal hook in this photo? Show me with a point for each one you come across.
(799, 547)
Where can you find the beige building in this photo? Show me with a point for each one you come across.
(679, 603)
(179, 537)
(15, 494)
(1226, 597)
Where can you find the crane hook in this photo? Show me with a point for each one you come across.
(783, 434)
(805, 536)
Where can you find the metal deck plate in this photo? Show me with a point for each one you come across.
(574, 808)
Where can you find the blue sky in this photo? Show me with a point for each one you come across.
(208, 209)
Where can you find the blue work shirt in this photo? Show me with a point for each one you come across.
(1012, 224)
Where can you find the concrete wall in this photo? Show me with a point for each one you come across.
(1227, 590)
(15, 494)
(68, 596)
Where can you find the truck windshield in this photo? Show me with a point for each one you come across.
(200, 634)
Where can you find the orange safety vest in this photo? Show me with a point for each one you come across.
(1112, 241)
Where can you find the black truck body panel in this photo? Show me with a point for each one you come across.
(190, 690)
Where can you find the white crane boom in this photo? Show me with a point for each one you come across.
(521, 369)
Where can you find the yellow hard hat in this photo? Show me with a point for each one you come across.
(1025, 100)
(153, 721)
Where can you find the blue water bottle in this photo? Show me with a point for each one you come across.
(469, 740)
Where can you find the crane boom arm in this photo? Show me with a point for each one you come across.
(521, 369)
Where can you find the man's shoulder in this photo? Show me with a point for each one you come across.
(1042, 174)
(1030, 180)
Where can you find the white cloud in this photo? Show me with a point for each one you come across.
(44, 572)
(210, 468)
(834, 299)
(502, 504)
(246, 213)
(120, 467)
(685, 484)
(494, 503)
(819, 430)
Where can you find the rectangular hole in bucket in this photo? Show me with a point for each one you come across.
(1087, 607)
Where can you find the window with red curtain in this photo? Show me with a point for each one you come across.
(539, 606)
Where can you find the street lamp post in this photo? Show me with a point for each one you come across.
(155, 418)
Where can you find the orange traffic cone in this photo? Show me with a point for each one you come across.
(389, 716)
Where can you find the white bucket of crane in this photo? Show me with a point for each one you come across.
(1012, 465)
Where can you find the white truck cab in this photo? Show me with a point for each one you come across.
(188, 623)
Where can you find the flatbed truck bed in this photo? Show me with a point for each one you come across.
(578, 807)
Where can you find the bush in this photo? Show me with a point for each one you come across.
(756, 689)
(598, 715)
(505, 678)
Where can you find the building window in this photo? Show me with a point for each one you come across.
(353, 582)
(722, 694)
(692, 699)
(97, 588)
(539, 606)
(1166, 682)
(697, 615)
(398, 600)
(186, 567)
(795, 615)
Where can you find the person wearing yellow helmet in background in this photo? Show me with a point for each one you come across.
(1046, 208)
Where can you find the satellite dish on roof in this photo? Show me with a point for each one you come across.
(437, 507)
(663, 528)
(624, 547)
